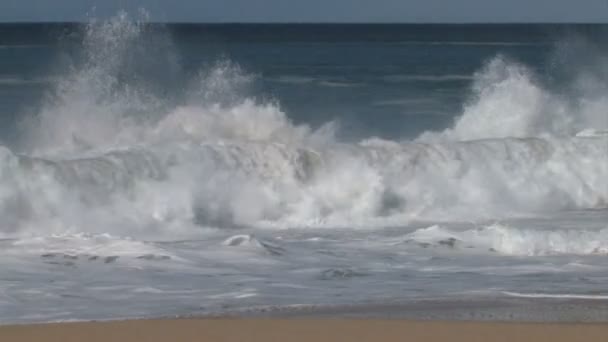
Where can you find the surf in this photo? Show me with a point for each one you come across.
(109, 153)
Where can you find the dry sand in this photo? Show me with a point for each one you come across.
(318, 330)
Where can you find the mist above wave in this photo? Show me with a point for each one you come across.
(509, 99)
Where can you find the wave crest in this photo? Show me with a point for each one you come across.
(236, 183)
(110, 153)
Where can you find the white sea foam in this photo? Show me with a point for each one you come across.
(518, 241)
(555, 296)
(251, 183)
(82, 246)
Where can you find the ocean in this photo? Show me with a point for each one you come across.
(423, 171)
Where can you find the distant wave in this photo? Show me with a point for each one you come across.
(293, 79)
(306, 80)
(473, 43)
(406, 101)
(426, 78)
(397, 78)
(340, 84)
(23, 81)
(22, 46)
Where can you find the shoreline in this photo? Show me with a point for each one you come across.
(492, 309)
(303, 329)
(513, 310)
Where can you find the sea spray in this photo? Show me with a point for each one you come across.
(108, 153)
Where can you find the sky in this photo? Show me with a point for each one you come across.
(313, 10)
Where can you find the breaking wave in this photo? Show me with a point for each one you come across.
(508, 100)
(109, 153)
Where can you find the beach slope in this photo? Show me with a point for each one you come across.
(254, 330)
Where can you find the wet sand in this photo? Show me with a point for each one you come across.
(296, 330)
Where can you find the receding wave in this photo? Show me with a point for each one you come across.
(509, 240)
(556, 295)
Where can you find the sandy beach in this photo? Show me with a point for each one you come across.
(300, 330)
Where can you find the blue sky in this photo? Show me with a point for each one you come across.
(315, 10)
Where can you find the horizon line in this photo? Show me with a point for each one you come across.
(324, 22)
